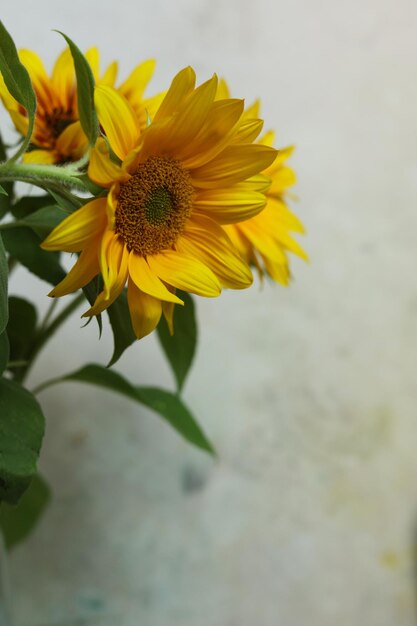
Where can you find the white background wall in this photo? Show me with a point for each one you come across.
(309, 394)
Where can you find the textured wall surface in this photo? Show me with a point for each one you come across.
(309, 394)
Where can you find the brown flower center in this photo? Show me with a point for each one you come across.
(154, 205)
(57, 121)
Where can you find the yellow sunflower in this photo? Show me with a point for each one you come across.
(58, 136)
(158, 228)
(264, 240)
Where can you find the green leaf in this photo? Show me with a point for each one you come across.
(4, 351)
(85, 91)
(167, 404)
(21, 431)
(5, 201)
(29, 204)
(24, 245)
(18, 82)
(4, 275)
(69, 202)
(3, 192)
(180, 347)
(91, 292)
(21, 329)
(17, 522)
(44, 220)
(121, 325)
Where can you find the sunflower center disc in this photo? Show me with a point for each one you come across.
(154, 205)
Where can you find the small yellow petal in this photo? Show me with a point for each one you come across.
(81, 273)
(110, 75)
(145, 311)
(118, 120)
(63, 78)
(146, 280)
(93, 57)
(72, 142)
(134, 86)
(101, 168)
(181, 86)
(184, 272)
(40, 156)
(74, 231)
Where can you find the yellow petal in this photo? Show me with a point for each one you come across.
(40, 79)
(117, 119)
(63, 78)
(72, 234)
(101, 168)
(81, 273)
(168, 311)
(207, 241)
(248, 131)
(134, 86)
(228, 206)
(93, 57)
(233, 165)
(72, 142)
(40, 156)
(110, 75)
(223, 91)
(146, 280)
(181, 86)
(184, 272)
(145, 311)
(117, 261)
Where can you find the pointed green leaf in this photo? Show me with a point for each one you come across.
(180, 347)
(4, 351)
(21, 329)
(123, 335)
(4, 275)
(5, 200)
(167, 404)
(17, 522)
(24, 245)
(3, 192)
(17, 81)
(21, 431)
(44, 220)
(85, 92)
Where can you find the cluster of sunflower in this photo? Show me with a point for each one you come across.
(181, 194)
(193, 195)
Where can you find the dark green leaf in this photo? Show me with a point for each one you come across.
(180, 347)
(85, 91)
(4, 275)
(123, 335)
(69, 202)
(17, 522)
(29, 204)
(44, 220)
(5, 201)
(17, 81)
(24, 245)
(21, 431)
(167, 404)
(3, 192)
(21, 329)
(4, 351)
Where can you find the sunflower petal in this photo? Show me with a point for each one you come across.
(184, 272)
(145, 311)
(63, 78)
(147, 281)
(40, 156)
(207, 241)
(74, 231)
(228, 206)
(93, 57)
(40, 79)
(233, 165)
(101, 168)
(117, 260)
(134, 86)
(118, 120)
(110, 75)
(81, 273)
(181, 86)
(72, 142)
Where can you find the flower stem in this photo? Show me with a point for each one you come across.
(41, 175)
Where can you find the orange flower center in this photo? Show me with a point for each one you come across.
(154, 205)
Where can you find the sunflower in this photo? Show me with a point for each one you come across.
(170, 188)
(264, 240)
(58, 136)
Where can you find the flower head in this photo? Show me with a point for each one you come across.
(170, 188)
(58, 136)
(265, 240)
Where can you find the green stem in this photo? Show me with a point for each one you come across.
(40, 175)
(45, 334)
